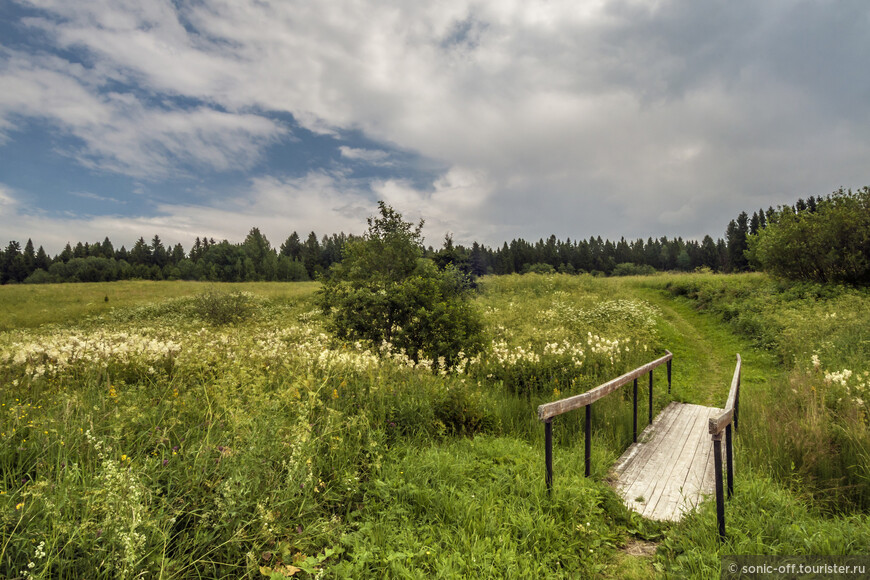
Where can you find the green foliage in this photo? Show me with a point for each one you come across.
(266, 450)
(812, 427)
(385, 292)
(761, 518)
(830, 244)
(538, 268)
(632, 269)
(219, 308)
(469, 509)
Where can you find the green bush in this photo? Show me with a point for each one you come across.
(831, 244)
(632, 269)
(221, 308)
(40, 276)
(538, 268)
(385, 293)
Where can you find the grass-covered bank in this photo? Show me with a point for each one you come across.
(147, 439)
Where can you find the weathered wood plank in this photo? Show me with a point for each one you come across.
(548, 410)
(639, 454)
(650, 477)
(660, 474)
(695, 483)
(680, 468)
(670, 466)
(636, 452)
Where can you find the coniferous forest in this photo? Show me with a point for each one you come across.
(747, 245)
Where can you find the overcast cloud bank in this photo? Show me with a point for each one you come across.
(614, 118)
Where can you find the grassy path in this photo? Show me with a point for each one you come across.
(705, 351)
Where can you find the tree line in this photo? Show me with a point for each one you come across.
(296, 260)
(253, 260)
(801, 241)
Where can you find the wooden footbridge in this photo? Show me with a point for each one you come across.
(675, 462)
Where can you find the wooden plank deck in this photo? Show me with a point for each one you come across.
(670, 468)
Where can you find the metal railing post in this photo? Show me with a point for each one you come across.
(669, 376)
(729, 460)
(720, 499)
(650, 396)
(634, 423)
(548, 453)
(588, 439)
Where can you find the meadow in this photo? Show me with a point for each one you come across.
(144, 435)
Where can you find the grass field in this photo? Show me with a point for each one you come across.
(140, 438)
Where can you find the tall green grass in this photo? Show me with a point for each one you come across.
(264, 449)
(813, 427)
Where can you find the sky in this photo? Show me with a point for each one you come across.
(490, 119)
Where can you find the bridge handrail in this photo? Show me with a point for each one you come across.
(732, 404)
(550, 410)
(717, 425)
(547, 411)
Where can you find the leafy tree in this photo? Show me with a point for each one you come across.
(831, 244)
(539, 268)
(385, 291)
(288, 270)
(684, 261)
(631, 269)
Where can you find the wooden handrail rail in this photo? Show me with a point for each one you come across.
(719, 423)
(549, 410)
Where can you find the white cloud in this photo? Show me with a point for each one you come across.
(7, 202)
(95, 197)
(118, 132)
(321, 202)
(371, 156)
(601, 117)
